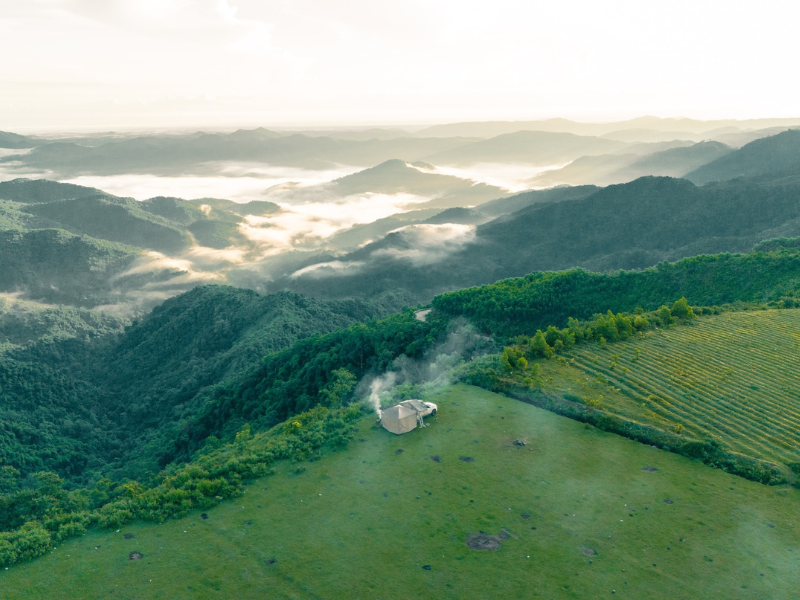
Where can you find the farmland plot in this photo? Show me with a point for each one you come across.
(733, 377)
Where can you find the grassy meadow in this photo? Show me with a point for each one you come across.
(734, 377)
(577, 513)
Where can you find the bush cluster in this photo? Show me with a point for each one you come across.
(37, 514)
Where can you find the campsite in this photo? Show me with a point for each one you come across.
(368, 521)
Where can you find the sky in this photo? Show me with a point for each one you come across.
(127, 64)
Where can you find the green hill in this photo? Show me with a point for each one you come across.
(575, 513)
(115, 219)
(43, 190)
(57, 266)
(772, 154)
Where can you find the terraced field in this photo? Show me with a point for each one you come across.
(734, 377)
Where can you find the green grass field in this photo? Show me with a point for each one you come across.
(734, 376)
(576, 514)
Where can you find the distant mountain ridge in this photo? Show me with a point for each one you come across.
(632, 225)
(772, 154)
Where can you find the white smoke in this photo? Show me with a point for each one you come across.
(407, 377)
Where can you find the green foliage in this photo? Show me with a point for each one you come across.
(334, 394)
(517, 306)
(682, 310)
(80, 397)
(33, 519)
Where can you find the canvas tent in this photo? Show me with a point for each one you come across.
(399, 419)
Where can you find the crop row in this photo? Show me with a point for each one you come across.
(733, 377)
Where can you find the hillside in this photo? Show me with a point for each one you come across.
(731, 377)
(109, 404)
(114, 219)
(772, 154)
(392, 517)
(43, 190)
(57, 266)
(512, 204)
(634, 225)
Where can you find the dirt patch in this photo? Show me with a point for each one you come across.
(483, 541)
(466, 458)
(398, 451)
(650, 469)
(435, 458)
(135, 556)
(588, 551)
(668, 501)
(129, 536)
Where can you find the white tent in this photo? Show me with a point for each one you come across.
(399, 419)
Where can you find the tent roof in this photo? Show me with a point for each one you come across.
(399, 411)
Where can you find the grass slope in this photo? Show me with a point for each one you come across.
(732, 376)
(364, 522)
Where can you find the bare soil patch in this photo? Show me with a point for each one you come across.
(483, 541)
(135, 556)
(650, 469)
(588, 551)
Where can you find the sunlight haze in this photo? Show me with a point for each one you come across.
(91, 64)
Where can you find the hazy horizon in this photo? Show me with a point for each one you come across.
(83, 65)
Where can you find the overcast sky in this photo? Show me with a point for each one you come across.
(93, 64)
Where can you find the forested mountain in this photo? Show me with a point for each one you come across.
(632, 225)
(512, 204)
(42, 190)
(77, 398)
(772, 154)
(56, 266)
(115, 219)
